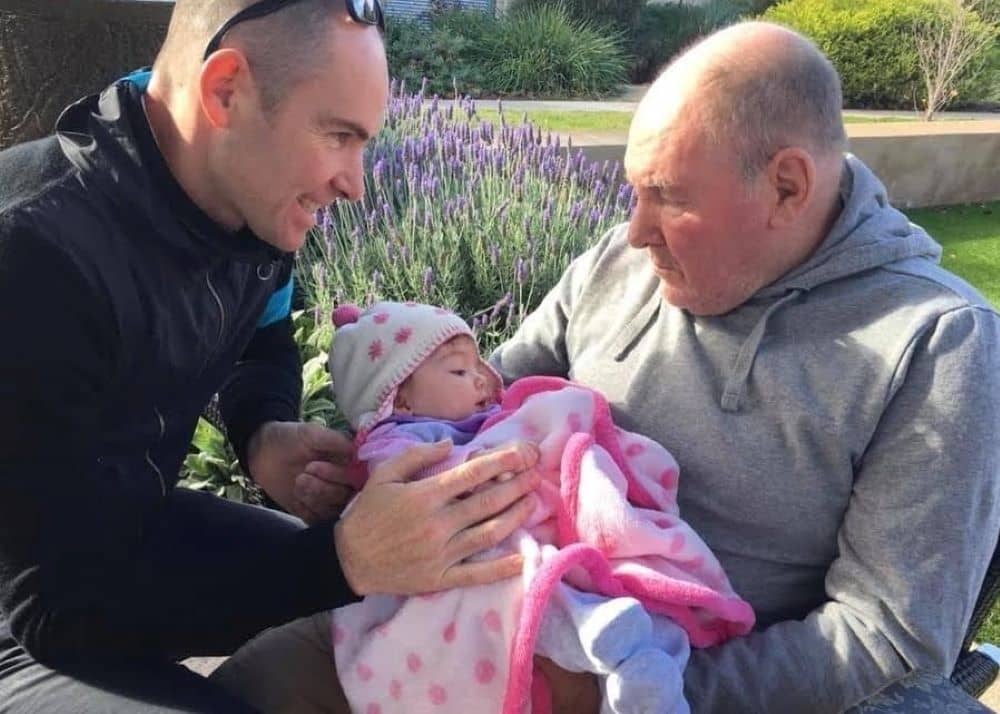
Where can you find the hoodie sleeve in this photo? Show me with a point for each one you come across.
(919, 531)
(266, 384)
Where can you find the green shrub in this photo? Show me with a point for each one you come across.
(617, 15)
(444, 50)
(663, 30)
(870, 42)
(543, 51)
(537, 51)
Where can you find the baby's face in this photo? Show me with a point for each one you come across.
(450, 384)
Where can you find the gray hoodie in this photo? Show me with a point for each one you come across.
(838, 442)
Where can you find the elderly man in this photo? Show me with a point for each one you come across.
(145, 257)
(831, 394)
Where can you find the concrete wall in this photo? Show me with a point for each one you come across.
(921, 164)
(932, 164)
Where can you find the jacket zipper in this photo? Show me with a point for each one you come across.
(149, 459)
(222, 311)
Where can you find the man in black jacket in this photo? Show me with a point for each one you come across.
(145, 264)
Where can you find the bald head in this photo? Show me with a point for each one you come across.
(754, 86)
(282, 48)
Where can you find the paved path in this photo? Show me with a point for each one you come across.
(616, 105)
(630, 96)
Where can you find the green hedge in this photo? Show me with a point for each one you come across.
(871, 44)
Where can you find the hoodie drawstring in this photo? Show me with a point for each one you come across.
(736, 385)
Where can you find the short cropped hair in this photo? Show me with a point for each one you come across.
(282, 49)
(760, 105)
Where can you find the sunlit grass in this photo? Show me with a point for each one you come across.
(970, 236)
(608, 121)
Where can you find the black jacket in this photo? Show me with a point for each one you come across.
(123, 308)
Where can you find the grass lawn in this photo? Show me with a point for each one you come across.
(606, 121)
(970, 236)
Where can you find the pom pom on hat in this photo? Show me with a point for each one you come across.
(346, 314)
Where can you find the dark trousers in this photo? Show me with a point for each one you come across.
(191, 520)
(27, 687)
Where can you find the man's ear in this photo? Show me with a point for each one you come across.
(791, 174)
(223, 78)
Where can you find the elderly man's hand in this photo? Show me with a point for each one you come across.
(303, 467)
(402, 537)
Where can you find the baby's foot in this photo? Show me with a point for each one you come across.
(611, 630)
(648, 682)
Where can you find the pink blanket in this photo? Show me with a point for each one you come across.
(606, 521)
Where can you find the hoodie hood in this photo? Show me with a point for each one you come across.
(108, 139)
(868, 234)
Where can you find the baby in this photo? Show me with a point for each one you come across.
(406, 373)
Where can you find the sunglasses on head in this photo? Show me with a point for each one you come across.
(367, 12)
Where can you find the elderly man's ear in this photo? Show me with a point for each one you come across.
(791, 177)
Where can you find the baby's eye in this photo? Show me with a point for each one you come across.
(459, 372)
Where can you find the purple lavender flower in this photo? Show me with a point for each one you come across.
(500, 305)
(521, 271)
(547, 217)
(428, 281)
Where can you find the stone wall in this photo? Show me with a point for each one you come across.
(53, 52)
(937, 163)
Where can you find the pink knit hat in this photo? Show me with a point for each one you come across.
(376, 349)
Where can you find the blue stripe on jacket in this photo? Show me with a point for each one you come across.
(279, 306)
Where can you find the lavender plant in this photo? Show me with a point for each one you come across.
(480, 217)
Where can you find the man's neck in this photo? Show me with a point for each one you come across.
(177, 138)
